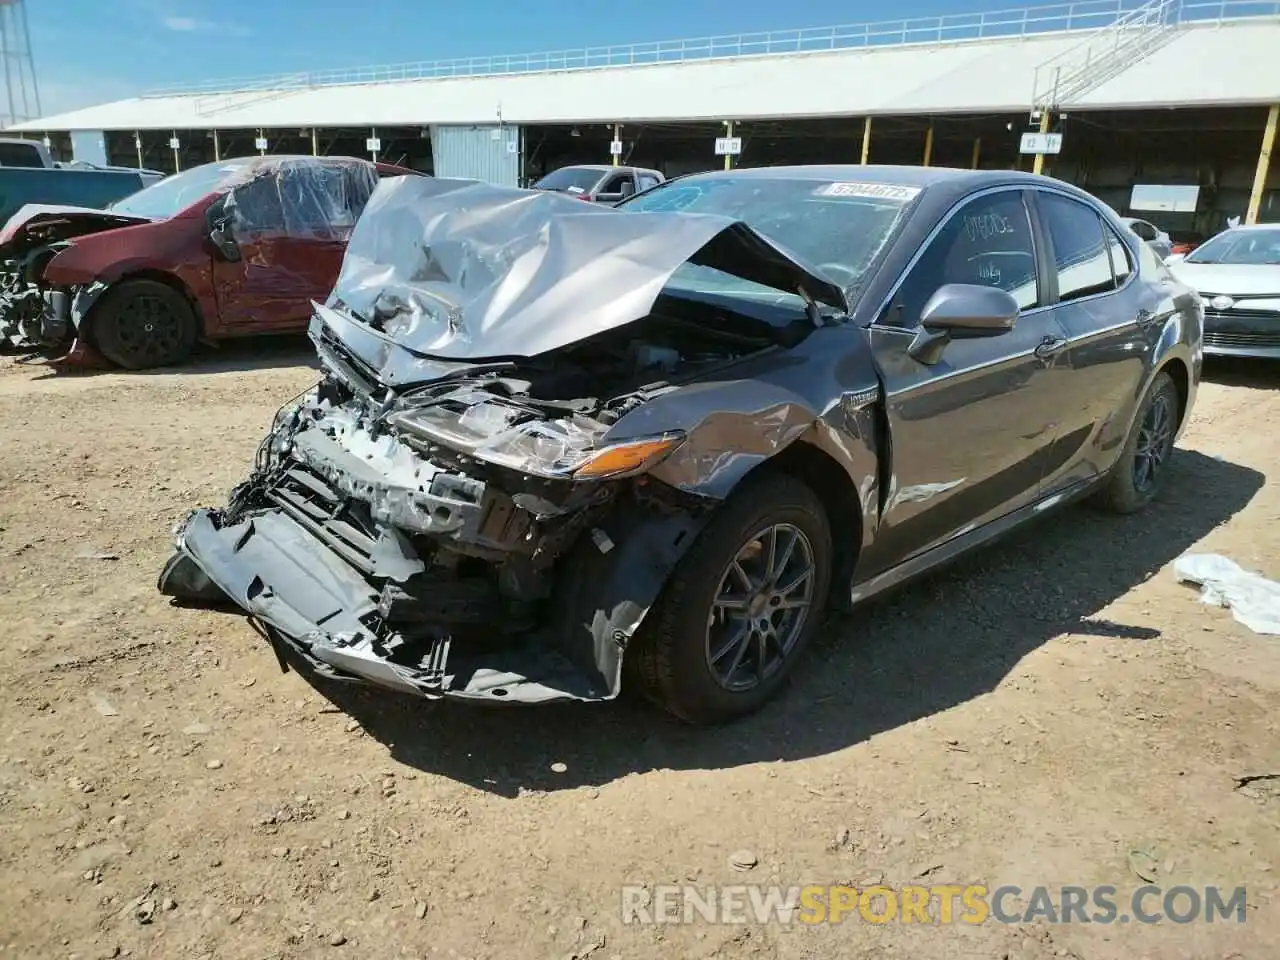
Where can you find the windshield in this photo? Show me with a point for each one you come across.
(838, 227)
(174, 194)
(1240, 246)
(572, 179)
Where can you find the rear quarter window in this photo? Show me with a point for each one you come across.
(20, 155)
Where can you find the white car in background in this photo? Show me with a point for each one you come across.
(1159, 241)
(1237, 275)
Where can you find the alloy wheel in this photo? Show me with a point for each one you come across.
(760, 607)
(1155, 440)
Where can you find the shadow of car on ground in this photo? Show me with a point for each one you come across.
(268, 352)
(946, 639)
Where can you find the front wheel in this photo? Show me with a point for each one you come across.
(742, 604)
(140, 324)
(1140, 472)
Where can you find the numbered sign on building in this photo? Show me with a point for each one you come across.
(260, 143)
(728, 146)
(1041, 143)
(373, 144)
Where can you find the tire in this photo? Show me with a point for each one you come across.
(688, 629)
(1140, 471)
(140, 324)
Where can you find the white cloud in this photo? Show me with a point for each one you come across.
(187, 24)
(196, 25)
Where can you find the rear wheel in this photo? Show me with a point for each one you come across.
(741, 606)
(143, 323)
(1140, 472)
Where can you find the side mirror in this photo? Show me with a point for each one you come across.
(1174, 258)
(960, 311)
(223, 241)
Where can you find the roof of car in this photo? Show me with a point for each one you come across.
(875, 173)
(604, 167)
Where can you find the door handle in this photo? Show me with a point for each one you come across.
(1050, 345)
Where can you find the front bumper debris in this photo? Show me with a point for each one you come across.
(352, 596)
(325, 610)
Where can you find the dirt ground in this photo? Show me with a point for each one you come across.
(1055, 710)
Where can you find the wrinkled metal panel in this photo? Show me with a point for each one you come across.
(490, 153)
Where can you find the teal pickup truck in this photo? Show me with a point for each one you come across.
(28, 174)
(66, 186)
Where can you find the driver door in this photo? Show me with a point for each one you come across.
(288, 255)
(969, 434)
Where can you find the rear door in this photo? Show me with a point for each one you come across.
(969, 435)
(1110, 317)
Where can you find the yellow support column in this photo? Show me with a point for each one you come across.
(928, 145)
(728, 158)
(1264, 165)
(217, 151)
(866, 140)
(977, 151)
(315, 143)
(1038, 166)
(617, 135)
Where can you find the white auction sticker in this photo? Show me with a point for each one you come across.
(875, 191)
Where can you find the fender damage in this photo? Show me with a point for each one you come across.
(523, 425)
(34, 313)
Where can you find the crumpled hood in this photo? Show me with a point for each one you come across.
(463, 270)
(70, 221)
(1233, 279)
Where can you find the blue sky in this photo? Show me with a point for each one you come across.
(90, 51)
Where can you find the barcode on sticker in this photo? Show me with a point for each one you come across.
(874, 191)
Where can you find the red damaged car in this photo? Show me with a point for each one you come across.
(227, 249)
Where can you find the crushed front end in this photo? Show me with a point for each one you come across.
(35, 312)
(465, 506)
(471, 537)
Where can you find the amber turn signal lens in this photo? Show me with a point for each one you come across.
(625, 457)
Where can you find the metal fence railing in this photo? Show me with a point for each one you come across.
(1103, 54)
(1027, 21)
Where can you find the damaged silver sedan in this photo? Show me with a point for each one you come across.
(556, 445)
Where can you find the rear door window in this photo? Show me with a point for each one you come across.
(20, 155)
(1079, 248)
(1144, 230)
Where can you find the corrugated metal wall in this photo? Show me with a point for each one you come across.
(490, 153)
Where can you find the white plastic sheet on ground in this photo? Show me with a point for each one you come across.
(1254, 600)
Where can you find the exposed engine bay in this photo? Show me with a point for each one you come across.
(32, 313)
(473, 520)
